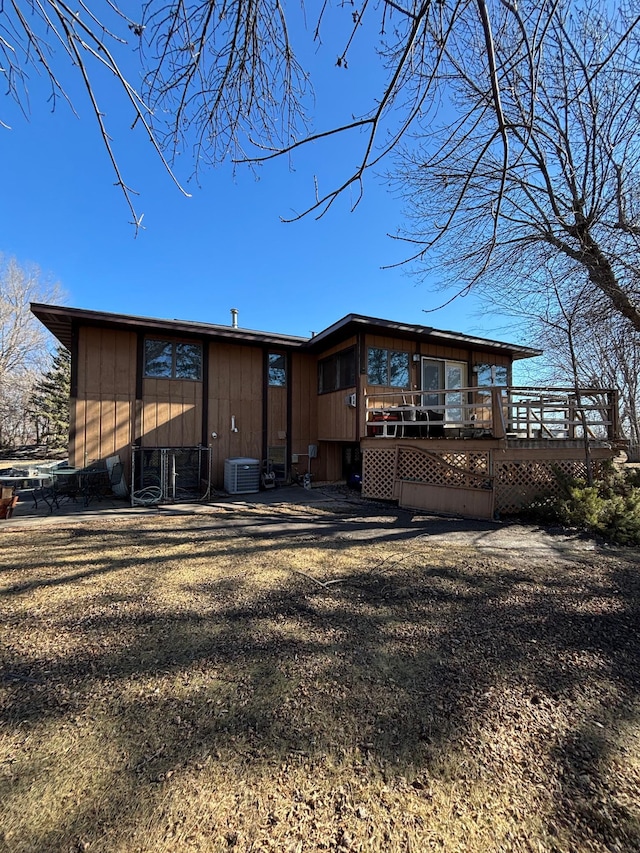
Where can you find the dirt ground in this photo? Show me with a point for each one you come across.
(308, 671)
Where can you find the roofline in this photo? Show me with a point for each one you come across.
(353, 323)
(60, 320)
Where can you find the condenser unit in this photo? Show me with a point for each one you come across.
(241, 475)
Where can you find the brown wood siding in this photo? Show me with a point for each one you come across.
(106, 363)
(106, 418)
(336, 420)
(101, 414)
(276, 416)
(304, 413)
(331, 456)
(346, 344)
(235, 388)
(304, 402)
(171, 413)
(102, 429)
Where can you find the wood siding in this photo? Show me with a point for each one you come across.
(337, 421)
(102, 413)
(304, 414)
(107, 416)
(171, 414)
(236, 378)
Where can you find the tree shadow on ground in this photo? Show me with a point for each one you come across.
(435, 666)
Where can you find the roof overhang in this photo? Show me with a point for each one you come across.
(60, 320)
(354, 324)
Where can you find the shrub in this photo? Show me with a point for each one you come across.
(610, 508)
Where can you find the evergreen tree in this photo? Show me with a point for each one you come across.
(50, 403)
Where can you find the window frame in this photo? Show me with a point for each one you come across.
(277, 356)
(390, 353)
(174, 344)
(335, 364)
(480, 369)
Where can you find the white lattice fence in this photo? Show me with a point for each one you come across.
(518, 483)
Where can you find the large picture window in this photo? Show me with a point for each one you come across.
(338, 371)
(388, 367)
(172, 360)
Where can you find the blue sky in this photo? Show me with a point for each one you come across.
(223, 247)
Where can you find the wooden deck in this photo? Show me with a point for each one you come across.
(516, 412)
(483, 452)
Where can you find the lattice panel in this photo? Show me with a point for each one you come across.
(519, 483)
(468, 469)
(475, 462)
(516, 483)
(378, 472)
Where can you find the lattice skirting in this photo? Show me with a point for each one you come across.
(378, 473)
(518, 483)
(384, 468)
(469, 469)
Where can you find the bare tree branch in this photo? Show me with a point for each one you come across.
(573, 171)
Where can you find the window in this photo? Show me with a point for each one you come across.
(338, 371)
(277, 369)
(491, 374)
(172, 360)
(388, 367)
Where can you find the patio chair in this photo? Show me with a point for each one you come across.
(8, 502)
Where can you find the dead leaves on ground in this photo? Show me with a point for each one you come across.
(168, 687)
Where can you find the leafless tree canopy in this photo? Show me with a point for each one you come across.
(540, 165)
(223, 78)
(24, 343)
(516, 120)
(586, 342)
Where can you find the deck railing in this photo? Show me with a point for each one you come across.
(498, 412)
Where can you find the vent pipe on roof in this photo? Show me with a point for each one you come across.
(234, 318)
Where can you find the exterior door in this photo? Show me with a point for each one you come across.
(445, 377)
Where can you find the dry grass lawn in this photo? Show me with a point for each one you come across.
(175, 682)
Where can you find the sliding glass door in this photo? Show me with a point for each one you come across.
(447, 377)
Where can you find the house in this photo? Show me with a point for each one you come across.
(429, 417)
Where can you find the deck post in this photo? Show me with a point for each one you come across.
(613, 431)
(497, 414)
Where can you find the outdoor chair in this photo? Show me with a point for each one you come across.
(8, 502)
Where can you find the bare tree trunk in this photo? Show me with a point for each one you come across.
(600, 271)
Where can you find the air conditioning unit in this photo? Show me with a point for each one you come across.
(241, 475)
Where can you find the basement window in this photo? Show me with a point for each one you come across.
(172, 360)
